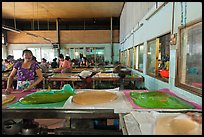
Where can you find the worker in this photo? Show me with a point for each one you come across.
(84, 62)
(65, 65)
(26, 71)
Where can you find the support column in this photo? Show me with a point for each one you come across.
(58, 35)
(111, 37)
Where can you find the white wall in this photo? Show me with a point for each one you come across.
(159, 24)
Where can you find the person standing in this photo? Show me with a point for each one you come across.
(26, 71)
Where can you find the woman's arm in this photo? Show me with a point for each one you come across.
(63, 66)
(11, 77)
(10, 80)
(40, 78)
(87, 64)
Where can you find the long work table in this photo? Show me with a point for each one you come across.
(122, 108)
(98, 77)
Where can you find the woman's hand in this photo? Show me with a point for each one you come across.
(54, 70)
(28, 89)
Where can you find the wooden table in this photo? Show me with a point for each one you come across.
(98, 77)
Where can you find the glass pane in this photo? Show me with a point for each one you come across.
(151, 57)
(36, 53)
(131, 58)
(17, 53)
(191, 56)
(90, 52)
(141, 52)
(125, 57)
(77, 53)
(48, 54)
(100, 55)
(164, 56)
(2, 40)
(71, 53)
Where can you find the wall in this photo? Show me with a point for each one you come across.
(68, 36)
(131, 14)
(88, 36)
(159, 24)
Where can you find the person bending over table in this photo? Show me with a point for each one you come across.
(26, 71)
(65, 65)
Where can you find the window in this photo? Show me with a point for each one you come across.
(99, 55)
(151, 57)
(3, 38)
(95, 54)
(121, 57)
(90, 53)
(71, 53)
(48, 54)
(36, 53)
(125, 58)
(17, 53)
(128, 58)
(158, 55)
(131, 58)
(139, 51)
(190, 59)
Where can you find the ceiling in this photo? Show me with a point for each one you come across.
(65, 10)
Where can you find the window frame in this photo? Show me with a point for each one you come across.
(156, 61)
(186, 87)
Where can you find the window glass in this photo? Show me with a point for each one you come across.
(90, 53)
(48, 54)
(71, 53)
(164, 56)
(99, 55)
(125, 57)
(190, 69)
(151, 57)
(3, 39)
(131, 58)
(36, 53)
(141, 52)
(17, 53)
(139, 57)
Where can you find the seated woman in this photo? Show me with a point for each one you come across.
(65, 65)
(44, 65)
(84, 62)
(26, 71)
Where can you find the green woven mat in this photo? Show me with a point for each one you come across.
(45, 99)
(156, 99)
